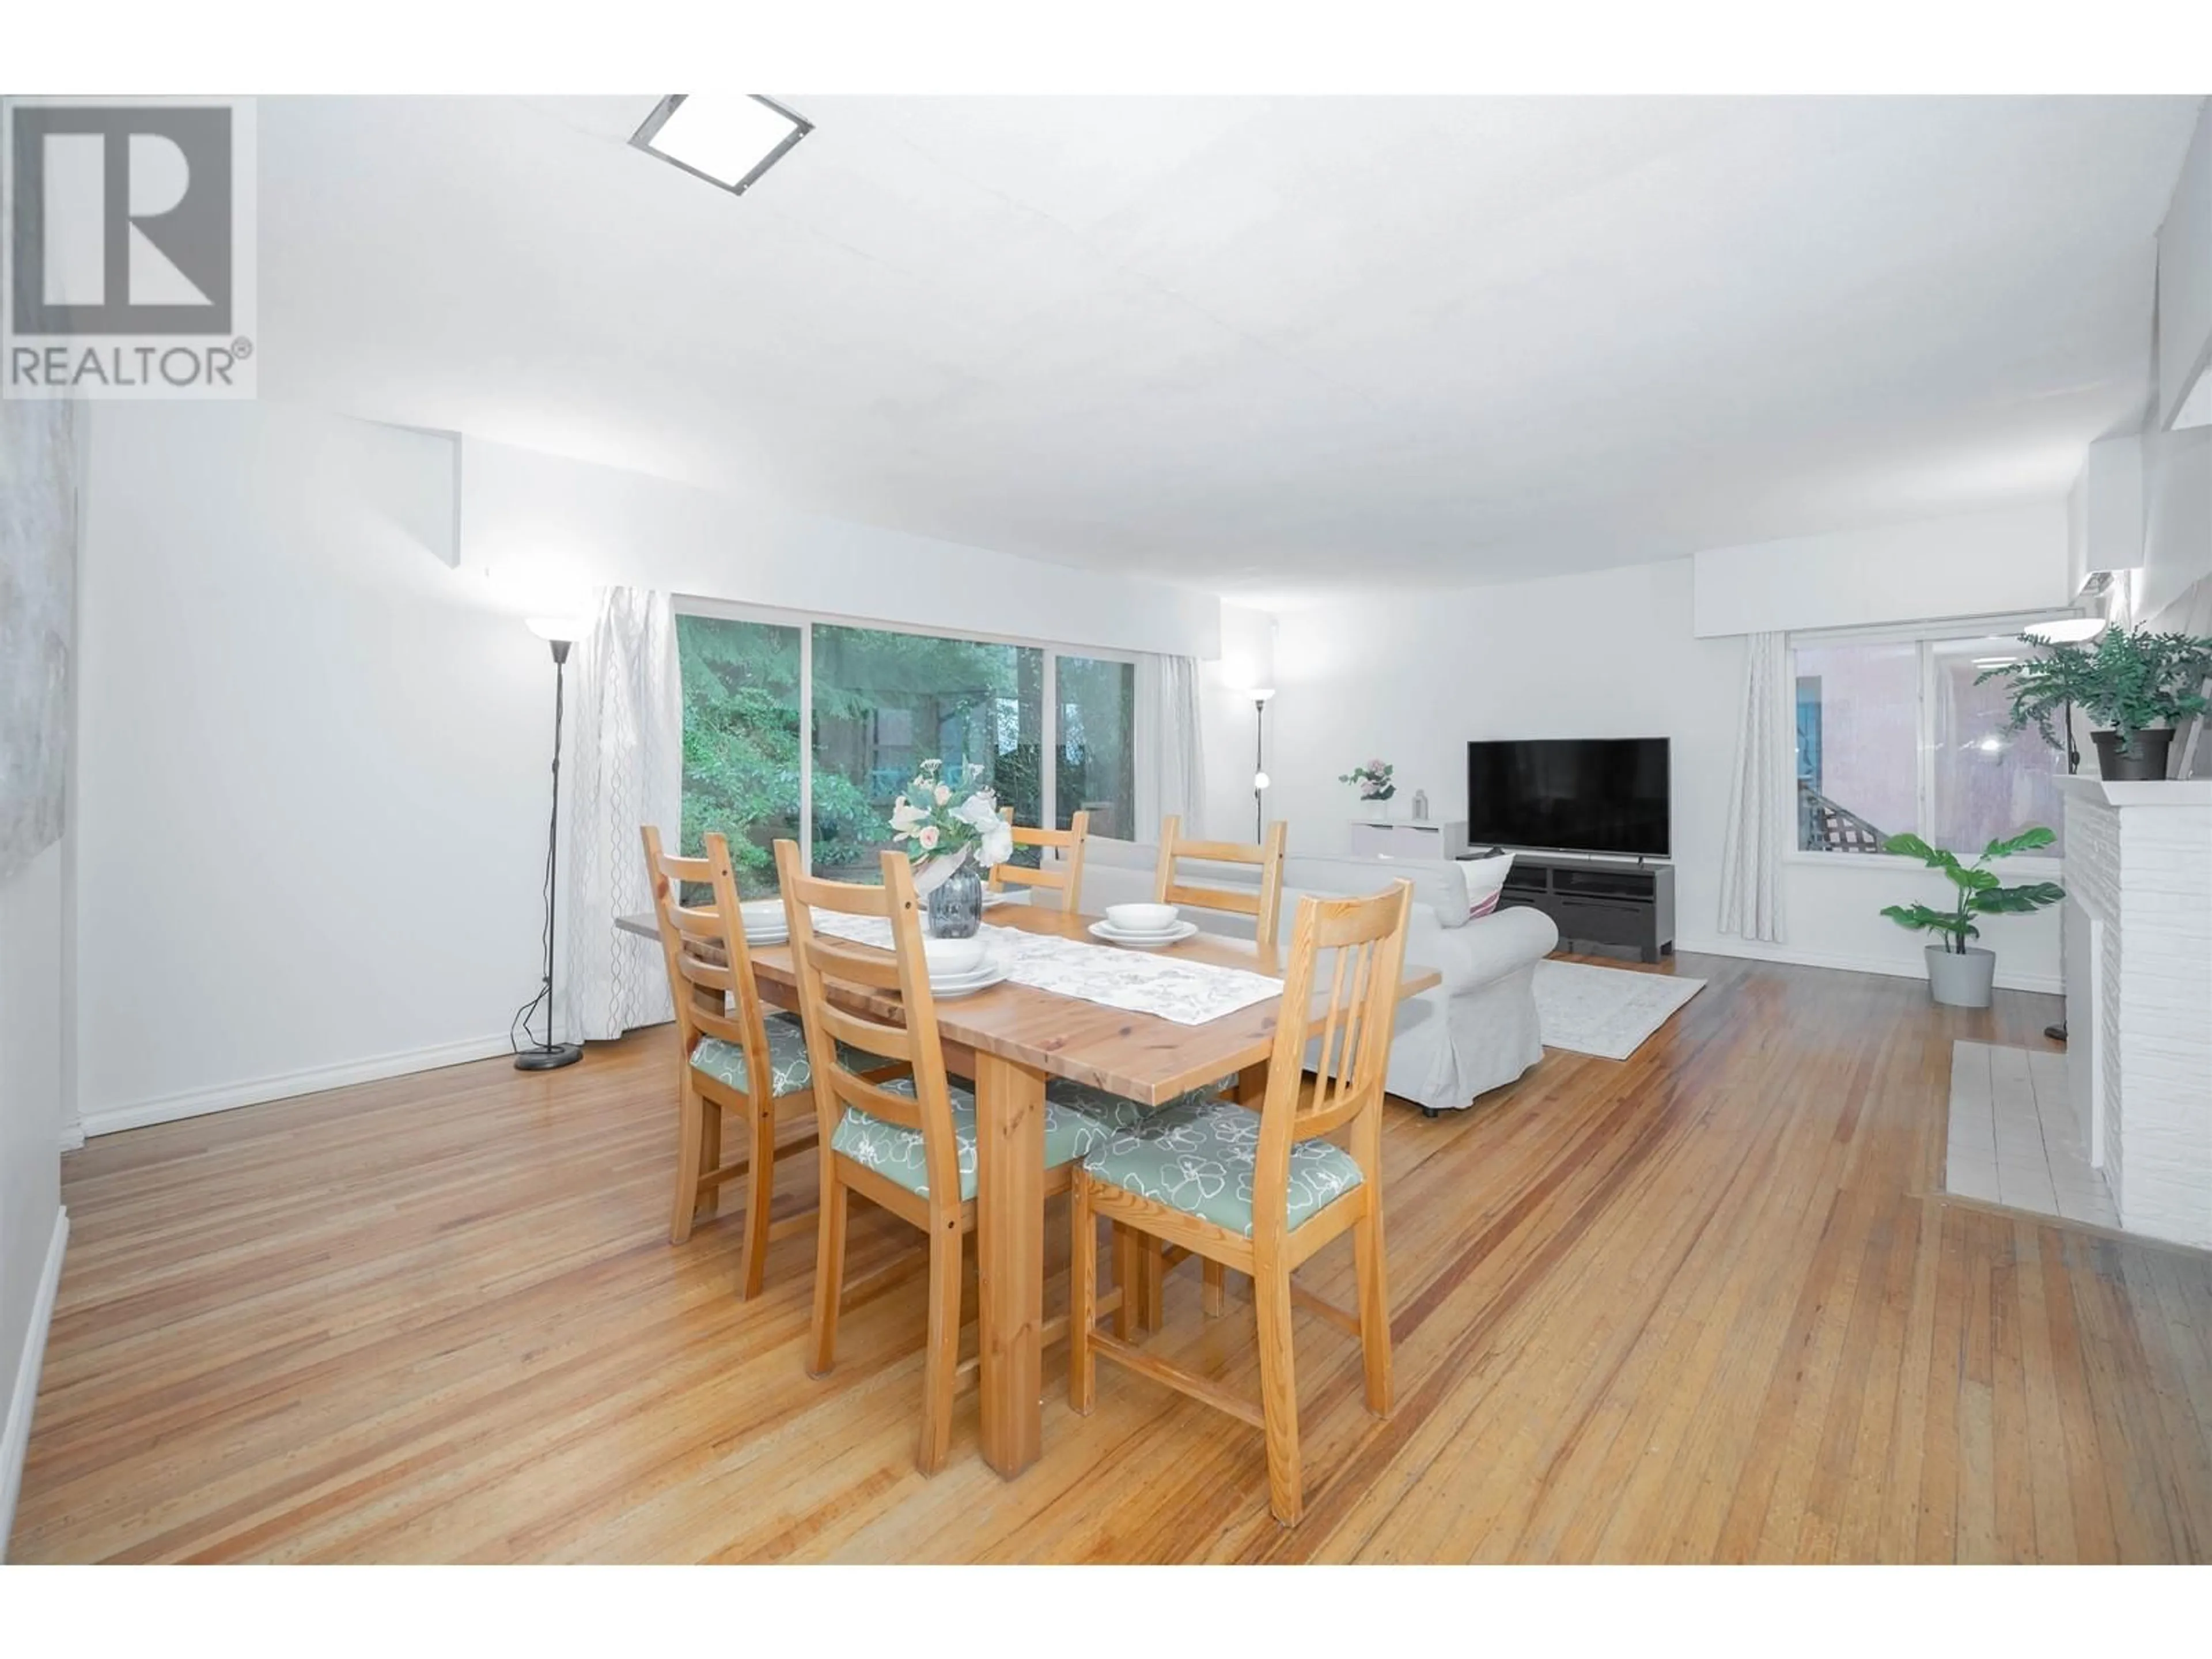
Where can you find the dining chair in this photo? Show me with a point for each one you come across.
(1262, 1192)
(737, 1058)
(1263, 904)
(907, 1143)
(1065, 878)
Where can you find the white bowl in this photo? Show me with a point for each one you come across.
(1140, 917)
(949, 957)
(761, 912)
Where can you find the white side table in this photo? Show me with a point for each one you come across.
(1407, 838)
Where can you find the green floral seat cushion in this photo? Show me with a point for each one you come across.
(1198, 1156)
(787, 1062)
(1118, 1111)
(1069, 1133)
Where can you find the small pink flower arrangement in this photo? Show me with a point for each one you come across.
(1373, 779)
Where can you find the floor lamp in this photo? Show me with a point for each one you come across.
(560, 633)
(1260, 779)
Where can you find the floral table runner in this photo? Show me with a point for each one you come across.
(1173, 988)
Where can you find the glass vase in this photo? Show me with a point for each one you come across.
(955, 905)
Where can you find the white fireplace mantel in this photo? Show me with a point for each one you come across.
(2173, 793)
(2138, 879)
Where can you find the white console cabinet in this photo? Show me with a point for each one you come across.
(1406, 838)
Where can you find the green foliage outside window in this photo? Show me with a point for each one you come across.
(883, 701)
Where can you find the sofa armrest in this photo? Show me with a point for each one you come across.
(1488, 948)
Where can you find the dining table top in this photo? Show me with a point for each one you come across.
(1142, 1057)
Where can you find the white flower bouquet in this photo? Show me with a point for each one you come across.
(944, 822)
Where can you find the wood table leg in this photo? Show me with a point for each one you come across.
(1010, 1258)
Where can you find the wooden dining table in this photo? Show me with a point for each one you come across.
(1008, 1040)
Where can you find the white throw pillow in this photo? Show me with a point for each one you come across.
(1484, 877)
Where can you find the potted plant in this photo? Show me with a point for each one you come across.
(952, 833)
(1373, 780)
(2134, 685)
(1960, 975)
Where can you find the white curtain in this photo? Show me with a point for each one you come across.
(1171, 776)
(1761, 796)
(622, 768)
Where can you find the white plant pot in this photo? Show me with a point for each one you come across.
(1961, 980)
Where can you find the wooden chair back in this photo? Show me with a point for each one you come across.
(1067, 877)
(1263, 904)
(821, 959)
(1365, 941)
(710, 970)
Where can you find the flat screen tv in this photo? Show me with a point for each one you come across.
(1569, 795)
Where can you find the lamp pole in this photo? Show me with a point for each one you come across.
(549, 1054)
(1260, 779)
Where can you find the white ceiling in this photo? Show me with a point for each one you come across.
(1274, 347)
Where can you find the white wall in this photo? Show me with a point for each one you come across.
(2105, 510)
(1228, 721)
(1413, 677)
(313, 766)
(2184, 275)
(34, 1062)
(30, 1094)
(537, 521)
(2176, 523)
(313, 789)
(1972, 564)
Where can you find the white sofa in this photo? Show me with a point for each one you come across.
(1475, 1032)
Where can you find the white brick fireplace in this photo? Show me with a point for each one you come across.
(2139, 996)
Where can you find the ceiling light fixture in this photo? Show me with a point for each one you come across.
(728, 139)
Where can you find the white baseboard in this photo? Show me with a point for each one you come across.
(1798, 956)
(197, 1103)
(15, 1439)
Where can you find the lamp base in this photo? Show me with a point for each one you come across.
(549, 1057)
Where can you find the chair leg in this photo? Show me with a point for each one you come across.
(1374, 1308)
(1212, 1278)
(940, 1364)
(1151, 1267)
(760, 1192)
(828, 1268)
(710, 1157)
(1128, 1277)
(1278, 1388)
(690, 1138)
(1083, 1286)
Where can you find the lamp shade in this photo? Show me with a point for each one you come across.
(2064, 630)
(1261, 693)
(558, 628)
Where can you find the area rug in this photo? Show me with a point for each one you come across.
(1605, 1012)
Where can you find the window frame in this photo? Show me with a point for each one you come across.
(2028, 867)
(693, 605)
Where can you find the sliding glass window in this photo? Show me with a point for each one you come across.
(741, 748)
(886, 702)
(1893, 734)
(1096, 748)
(873, 703)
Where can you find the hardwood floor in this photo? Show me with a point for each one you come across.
(1698, 1305)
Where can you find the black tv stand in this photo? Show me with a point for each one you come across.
(1597, 903)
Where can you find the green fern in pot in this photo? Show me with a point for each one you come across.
(2134, 684)
(1959, 973)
